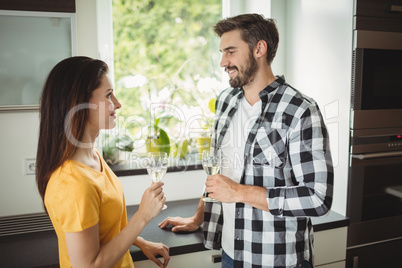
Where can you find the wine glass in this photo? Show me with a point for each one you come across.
(211, 162)
(157, 163)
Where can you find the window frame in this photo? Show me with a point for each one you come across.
(105, 40)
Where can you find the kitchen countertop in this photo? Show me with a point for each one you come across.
(40, 249)
(182, 243)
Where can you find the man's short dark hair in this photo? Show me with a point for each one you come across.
(253, 27)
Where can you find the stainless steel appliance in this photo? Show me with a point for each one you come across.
(375, 166)
(375, 198)
(375, 186)
(376, 80)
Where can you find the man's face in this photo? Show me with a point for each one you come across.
(237, 59)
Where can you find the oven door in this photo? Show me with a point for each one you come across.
(375, 194)
(377, 80)
(381, 79)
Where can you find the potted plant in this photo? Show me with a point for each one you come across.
(158, 139)
(115, 147)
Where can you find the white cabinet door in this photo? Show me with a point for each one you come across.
(202, 259)
(330, 246)
(31, 44)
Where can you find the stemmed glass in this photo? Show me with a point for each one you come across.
(211, 162)
(157, 164)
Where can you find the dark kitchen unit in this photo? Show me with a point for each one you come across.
(375, 166)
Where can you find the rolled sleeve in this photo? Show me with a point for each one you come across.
(310, 168)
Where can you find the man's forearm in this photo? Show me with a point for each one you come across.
(199, 214)
(254, 196)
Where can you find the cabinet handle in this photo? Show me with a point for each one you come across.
(216, 258)
(396, 8)
(356, 262)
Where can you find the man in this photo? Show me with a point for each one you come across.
(280, 170)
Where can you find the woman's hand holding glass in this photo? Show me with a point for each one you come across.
(152, 201)
(157, 164)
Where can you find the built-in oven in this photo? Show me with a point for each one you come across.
(375, 198)
(375, 163)
(376, 80)
(375, 186)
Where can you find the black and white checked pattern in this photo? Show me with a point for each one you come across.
(287, 152)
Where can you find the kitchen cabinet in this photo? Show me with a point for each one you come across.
(193, 260)
(31, 44)
(330, 248)
(186, 249)
(340, 264)
(383, 254)
(39, 5)
(378, 15)
(330, 252)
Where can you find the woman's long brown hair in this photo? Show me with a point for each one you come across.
(64, 113)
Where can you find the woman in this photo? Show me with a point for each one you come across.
(82, 196)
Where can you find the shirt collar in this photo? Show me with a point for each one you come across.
(280, 80)
(264, 94)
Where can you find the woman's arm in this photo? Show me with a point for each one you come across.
(84, 247)
(151, 250)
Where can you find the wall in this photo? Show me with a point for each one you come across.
(18, 139)
(19, 132)
(318, 62)
(87, 33)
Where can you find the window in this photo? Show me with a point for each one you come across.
(167, 74)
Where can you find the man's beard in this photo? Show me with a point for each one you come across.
(245, 75)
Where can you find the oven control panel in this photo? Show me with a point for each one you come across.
(376, 143)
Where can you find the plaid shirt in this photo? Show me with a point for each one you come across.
(287, 152)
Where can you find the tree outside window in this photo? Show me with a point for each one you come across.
(166, 62)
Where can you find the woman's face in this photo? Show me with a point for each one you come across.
(103, 106)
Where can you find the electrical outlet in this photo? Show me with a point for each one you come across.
(30, 166)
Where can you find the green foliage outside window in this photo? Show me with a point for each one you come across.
(165, 52)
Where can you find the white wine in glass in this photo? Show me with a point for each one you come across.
(211, 169)
(212, 164)
(157, 164)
